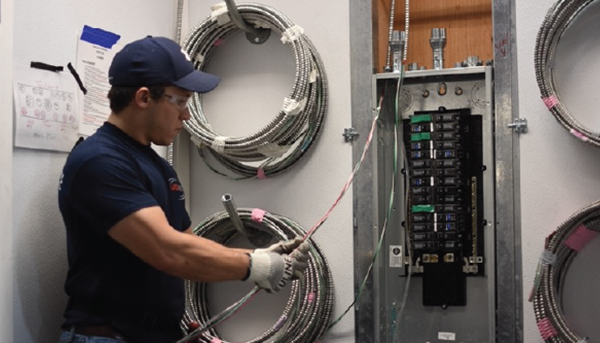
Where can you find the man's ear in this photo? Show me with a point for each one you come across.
(142, 98)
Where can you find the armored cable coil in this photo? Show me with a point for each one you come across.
(309, 309)
(561, 248)
(284, 140)
(558, 18)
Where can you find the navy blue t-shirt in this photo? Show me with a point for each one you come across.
(106, 178)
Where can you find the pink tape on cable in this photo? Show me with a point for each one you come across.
(311, 297)
(578, 135)
(546, 328)
(580, 237)
(218, 42)
(258, 215)
(261, 174)
(215, 340)
(550, 101)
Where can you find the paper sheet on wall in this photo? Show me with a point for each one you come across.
(46, 107)
(95, 51)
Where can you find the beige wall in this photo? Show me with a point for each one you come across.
(6, 246)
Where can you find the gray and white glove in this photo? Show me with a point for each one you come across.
(272, 271)
(282, 247)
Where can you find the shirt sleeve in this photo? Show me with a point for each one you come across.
(106, 190)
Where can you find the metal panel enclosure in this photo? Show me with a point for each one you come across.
(463, 88)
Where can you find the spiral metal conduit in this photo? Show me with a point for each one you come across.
(309, 309)
(177, 39)
(561, 248)
(284, 140)
(558, 18)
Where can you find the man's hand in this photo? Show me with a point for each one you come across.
(283, 247)
(272, 271)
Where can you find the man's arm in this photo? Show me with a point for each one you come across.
(245, 251)
(148, 235)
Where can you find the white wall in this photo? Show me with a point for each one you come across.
(567, 168)
(255, 81)
(559, 173)
(6, 251)
(47, 31)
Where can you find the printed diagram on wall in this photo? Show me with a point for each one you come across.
(45, 109)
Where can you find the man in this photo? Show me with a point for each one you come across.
(129, 236)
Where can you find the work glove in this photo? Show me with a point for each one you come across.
(272, 271)
(282, 247)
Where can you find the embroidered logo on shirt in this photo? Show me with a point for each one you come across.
(175, 186)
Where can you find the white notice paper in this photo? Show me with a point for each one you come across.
(93, 62)
(46, 107)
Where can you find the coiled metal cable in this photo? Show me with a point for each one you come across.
(309, 309)
(558, 18)
(561, 248)
(284, 140)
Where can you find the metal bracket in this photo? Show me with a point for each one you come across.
(397, 45)
(416, 269)
(469, 268)
(520, 125)
(350, 134)
(253, 34)
(438, 43)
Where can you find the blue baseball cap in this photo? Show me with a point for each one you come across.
(158, 60)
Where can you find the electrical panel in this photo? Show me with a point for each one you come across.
(443, 178)
(434, 182)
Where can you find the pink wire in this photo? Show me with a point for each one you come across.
(324, 218)
(236, 311)
(192, 339)
(347, 185)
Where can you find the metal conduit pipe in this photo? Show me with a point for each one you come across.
(229, 205)
(309, 308)
(406, 27)
(558, 18)
(388, 60)
(561, 248)
(404, 35)
(286, 138)
(177, 39)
